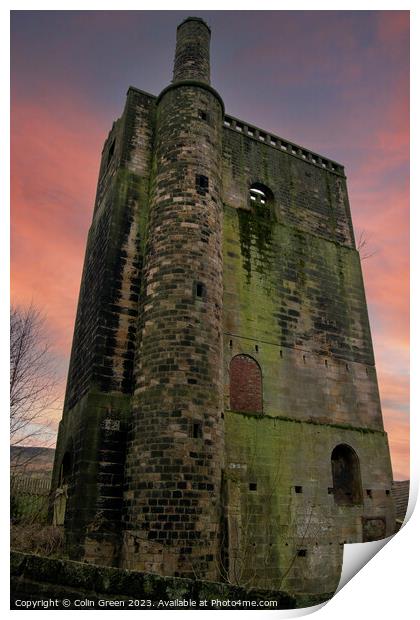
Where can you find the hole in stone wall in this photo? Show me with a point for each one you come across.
(301, 553)
(369, 492)
(388, 492)
(330, 490)
(346, 476)
(281, 353)
(196, 430)
(203, 115)
(111, 152)
(201, 183)
(200, 289)
(230, 343)
(326, 362)
(298, 489)
(256, 348)
(252, 486)
(260, 195)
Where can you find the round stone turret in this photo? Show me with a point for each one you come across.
(174, 461)
(192, 54)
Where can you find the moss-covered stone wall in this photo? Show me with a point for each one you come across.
(284, 527)
(294, 301)
(82, 586)
(93, 430)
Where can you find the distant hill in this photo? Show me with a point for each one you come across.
(36, 462)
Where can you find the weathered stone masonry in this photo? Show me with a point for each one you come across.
(222, 416)
(174, 454)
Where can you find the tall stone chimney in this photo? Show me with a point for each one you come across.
(174, 460)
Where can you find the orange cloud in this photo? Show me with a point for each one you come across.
(54, 169)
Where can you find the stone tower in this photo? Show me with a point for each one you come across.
(222, 415)
(175, 449)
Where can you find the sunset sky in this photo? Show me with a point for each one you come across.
(334, 82)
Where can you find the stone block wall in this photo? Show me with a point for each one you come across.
(221, 352)
(175, 449)
(95, 420)
(284, 527)
(82, 586)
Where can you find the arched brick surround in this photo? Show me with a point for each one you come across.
(245, 384)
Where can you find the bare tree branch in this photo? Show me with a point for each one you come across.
(33, 377)
(362, 246)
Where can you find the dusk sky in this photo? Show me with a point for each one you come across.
(334, 82)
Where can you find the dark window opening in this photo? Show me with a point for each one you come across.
(388, 492)
(330, 490)
(66, 469)
(252, 486)
(230, 343)
(196, 430)
(202, 184)
(203, 115)
(369, 492)
(260, 196)
(256, 348)
(346, 476)
(200, 289)
(110, 153)
(298, 489)
(301, 553)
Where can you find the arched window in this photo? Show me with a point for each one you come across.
(245, 385)
(347, 486)
(111, 151)
(66, 469)
(61, 492)
(260, 197)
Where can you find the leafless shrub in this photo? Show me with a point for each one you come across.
(31, 538)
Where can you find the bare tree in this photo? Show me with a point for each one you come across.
(33, 377)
